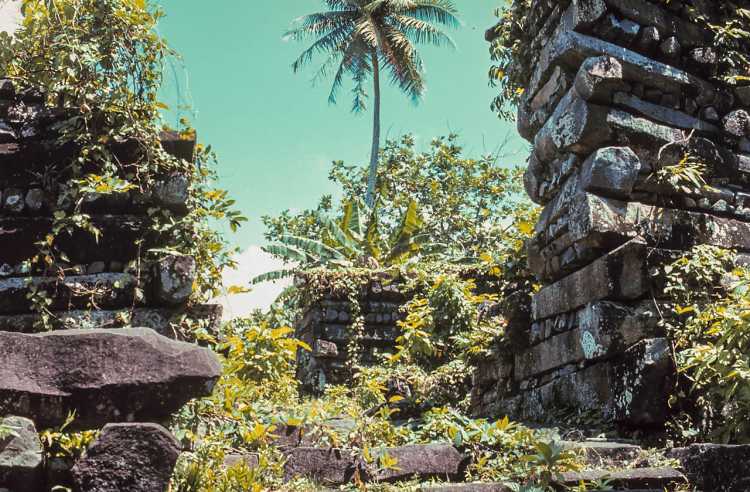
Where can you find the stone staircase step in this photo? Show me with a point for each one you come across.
(636, 478)
(605, 454)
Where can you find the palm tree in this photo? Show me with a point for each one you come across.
(362, 37)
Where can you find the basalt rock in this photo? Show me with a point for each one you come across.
(622, 94)
(122, 375)
(134, 457)
(21, 455)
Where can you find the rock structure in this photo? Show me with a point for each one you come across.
(327, 328)
(103, 286)
(92, 365)
(619, 95)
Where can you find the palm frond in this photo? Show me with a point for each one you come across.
(287, 253)
(439, 11)
(330, 43)
(405, 64)
(319, 24)
(421, 32)
(272, 276)
(341, 237)
(312, 247)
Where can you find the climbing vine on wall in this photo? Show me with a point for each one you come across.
(99, 63)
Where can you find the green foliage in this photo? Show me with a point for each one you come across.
(711, 334)
(353, 240)
(510, 50)
(467, 206)
(102, 79)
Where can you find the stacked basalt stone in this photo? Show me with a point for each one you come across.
(326, 327)
(620, 90)
(93, 366)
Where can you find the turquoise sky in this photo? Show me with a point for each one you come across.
(275, 134)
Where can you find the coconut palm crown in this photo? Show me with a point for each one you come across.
(360, 38)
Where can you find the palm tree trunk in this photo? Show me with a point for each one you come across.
(372, 176)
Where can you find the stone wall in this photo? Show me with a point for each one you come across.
(105, 275)
(92, 365)
(620, 90)
(326, 327)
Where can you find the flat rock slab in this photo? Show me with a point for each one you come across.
(132, 457)
(323, 466)
(716, 467)
(117, 375)
(441, 461)
(21, 455)
(467, 487)
(605, 453)
(637, 478)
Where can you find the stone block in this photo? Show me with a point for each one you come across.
(715, 467)
(605, 454)
(622, 275)
(649, 14)
(642, 385)
(103, 375)
(637, 478)
(117, 241)
(106, 290)
(423, 462)
(21, 455)
(661, 114)
(611, 171)
(133, 457)
(604, 330)
(175, 275)
(331, 467)
(575, 126)
(569, 49)
(599, 78)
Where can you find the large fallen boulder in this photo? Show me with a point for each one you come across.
(132, 457)
(117, 375)
(21, 459)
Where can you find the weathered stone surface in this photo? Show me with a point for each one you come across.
(466, 487)
(21, 456)
(164, 321)
(611, 171)
(621, 275)
(737, 123)
(133, 457)
(323, 466)
(120, 375)
(604, 330)
(715, 467)
(441, 461)
(620, 31)
(175, 275)
(117, 241)
(605, 454)
(661, 114)
(534, 113)
(642, 385)
(106, 290)
(599, 78)
(250, 460)
(172, 192)
(570, 49)
(575, 126)
(637, 478)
